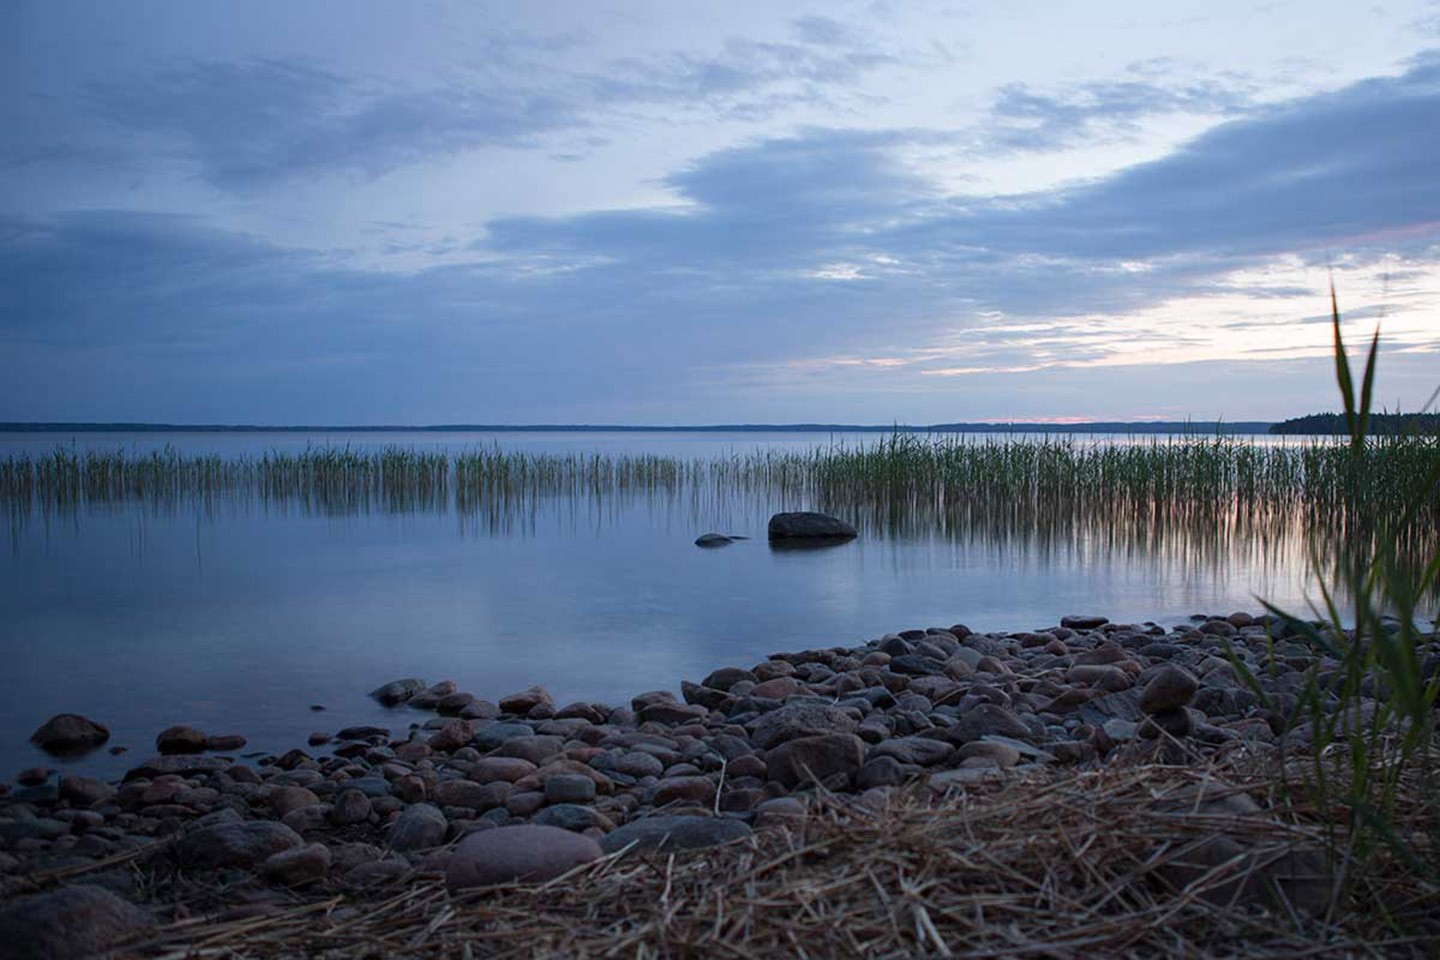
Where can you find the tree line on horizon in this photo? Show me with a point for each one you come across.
(1387, 424)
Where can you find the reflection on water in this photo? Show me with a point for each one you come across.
(234, 592)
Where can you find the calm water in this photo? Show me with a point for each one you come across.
(237, 616)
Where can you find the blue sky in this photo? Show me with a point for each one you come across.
(310, 212)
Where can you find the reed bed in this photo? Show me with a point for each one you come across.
(1052, 864)
(1211, 493)
(923, 474)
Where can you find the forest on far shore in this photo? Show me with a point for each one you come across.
(1380, 423)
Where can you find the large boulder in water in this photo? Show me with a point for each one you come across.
(805, 525)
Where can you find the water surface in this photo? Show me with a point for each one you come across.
(237, 615)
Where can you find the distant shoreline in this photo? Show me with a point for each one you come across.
(1207, 427)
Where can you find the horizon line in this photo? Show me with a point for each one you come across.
(1070, 426)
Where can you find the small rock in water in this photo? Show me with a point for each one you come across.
(527, 853)
(69, 733)
(33, 777)
(713, 540)
(398, 691)
(1083, 622)
(225, 743)
(175, 740)
(72, 922)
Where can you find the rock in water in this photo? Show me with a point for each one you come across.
(398, 691)
(713, 540)
(809, 526)
(507, 854)
(72, 922)
(69, 733)
(175, 740)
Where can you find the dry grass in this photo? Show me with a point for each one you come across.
(1050, 864)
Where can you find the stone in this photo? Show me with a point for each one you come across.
(283, 800)
(70, 923)
(351, 806)
(1170, 688)
(235, 843)
(183, 765)
(671, 713)
(776, 688)
(465, 793)
(632, 763)
(293, 868)
(419, 827)
(572, 816)
(1083, 622)
(1176, 723)
(225, 742)
(799, 720)
(33, 777)
(806, 525)
(713, 540)
(881, 772)
(780, 812)
(529, 853)
(398, 691)
(569, 788)
(453, 703)
(85, 791)
(985, 719)
(362, 731)
(921, 751)
(727, 677)
(508, 769)
(534, 748)
(520, 704)
(688, 790)
(453, 735)
(668, 834)
(823, 759)
(69, 734)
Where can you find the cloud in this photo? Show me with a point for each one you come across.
(250, 123)
(1023, 119)
(795, 273)
(255, 122)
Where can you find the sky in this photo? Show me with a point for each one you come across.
(354, 212)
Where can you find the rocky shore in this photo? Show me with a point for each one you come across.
(525, 789)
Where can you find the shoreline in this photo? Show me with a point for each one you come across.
(923, 716)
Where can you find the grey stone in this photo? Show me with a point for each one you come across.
(231, 843)
(666, 834)
(69, 923)
(419, 827)
(799, 720)
(398, 691)
(518, 853)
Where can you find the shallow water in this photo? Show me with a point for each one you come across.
(236, 616)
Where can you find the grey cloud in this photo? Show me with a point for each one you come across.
(1023, 119)
(567, 315)
(253, 122)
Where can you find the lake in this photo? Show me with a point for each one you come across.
(236, 613)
